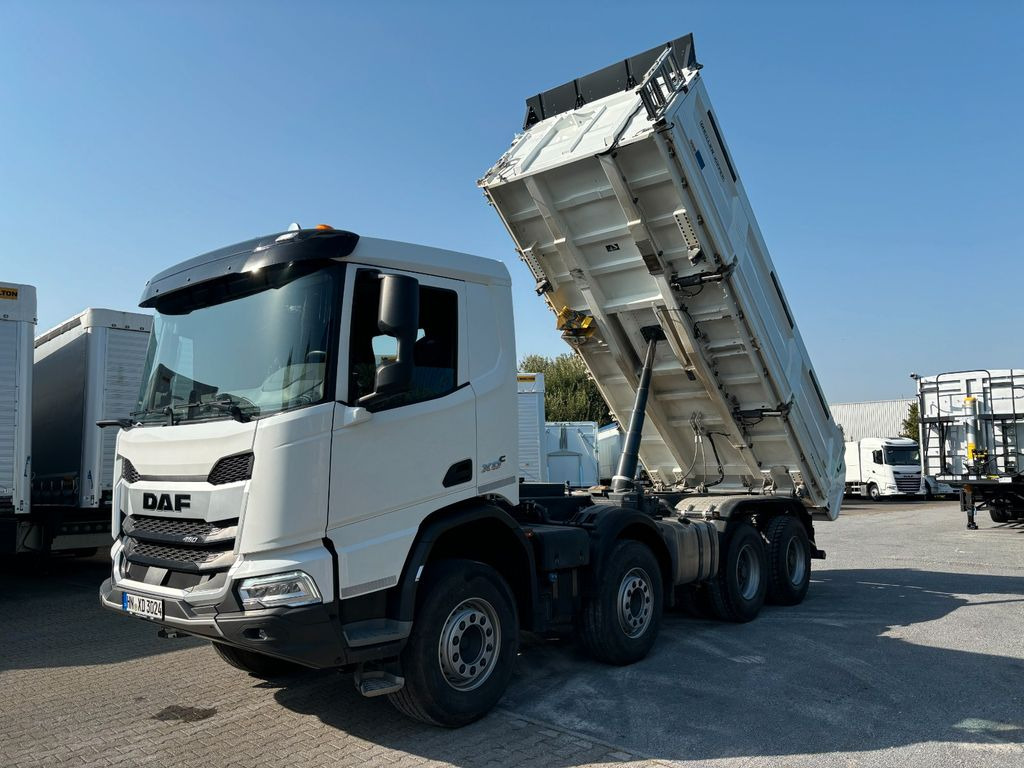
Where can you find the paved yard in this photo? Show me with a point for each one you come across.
(909, 651)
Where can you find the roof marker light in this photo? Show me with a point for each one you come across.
(324, 226)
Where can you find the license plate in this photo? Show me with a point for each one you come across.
(146, 607)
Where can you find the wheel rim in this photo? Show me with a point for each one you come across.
(796, 561)
(748, 572)
(635, 603)
(470, 643)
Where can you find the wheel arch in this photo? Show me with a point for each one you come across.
(476, 531)
(621, 524)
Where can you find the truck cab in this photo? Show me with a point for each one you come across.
(883, 466)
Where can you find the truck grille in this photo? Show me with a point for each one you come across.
(186, 558)
(178, 544)
(231, 469)
(171, 530)
(908, 483)
(128, 471)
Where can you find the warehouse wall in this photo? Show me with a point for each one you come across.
(876, 418)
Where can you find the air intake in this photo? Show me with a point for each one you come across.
(231, 469)
(128, 472)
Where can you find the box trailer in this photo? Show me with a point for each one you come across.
(87, 369)
(570, 453)
(530, 404)
(609, 448)
(259, 501)
(972, 433)
(17, 326)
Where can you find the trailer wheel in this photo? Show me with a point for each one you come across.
(463, 645)
(999, 514)
(258, 664)
(622, 617)
(873, 493)
(738, 591)
(789, 561)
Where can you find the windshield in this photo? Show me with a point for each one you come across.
(247, 346)
(903, 456)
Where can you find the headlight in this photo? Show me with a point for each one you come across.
(282, 589)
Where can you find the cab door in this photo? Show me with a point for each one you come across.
(397, 457)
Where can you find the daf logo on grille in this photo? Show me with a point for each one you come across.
(165, 502)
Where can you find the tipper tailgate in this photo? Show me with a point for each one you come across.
(629, 212)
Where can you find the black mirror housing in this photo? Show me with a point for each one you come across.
(398, 317)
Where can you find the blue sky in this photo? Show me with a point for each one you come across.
(880, 144)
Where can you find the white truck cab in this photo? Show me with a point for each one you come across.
(883, 466)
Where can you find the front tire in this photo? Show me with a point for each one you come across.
(459, 657)
(738, 591)
(621, 619)
(789, 561)
(258, 664)
(873, 493)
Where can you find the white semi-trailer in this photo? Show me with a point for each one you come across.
(972, 437)
(257, 501)
(883, 466)
(87, 369)
(17, 325)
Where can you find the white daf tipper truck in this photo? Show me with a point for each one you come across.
(288, 376)
(883, 466)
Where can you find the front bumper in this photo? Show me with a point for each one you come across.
(310, 635)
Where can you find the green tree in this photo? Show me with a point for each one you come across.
(569, 392)
(910, 423)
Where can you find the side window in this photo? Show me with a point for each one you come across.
(434, 354)
(876, 456)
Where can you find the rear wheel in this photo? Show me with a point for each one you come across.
(463, 645)
(622, 617)
(999, 514)
(257, 664)
(738, 591)
(789, 561)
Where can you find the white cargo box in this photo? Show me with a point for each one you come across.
(87, 369)
(625, 204)
(17, 326)
(532, 467)
(945, 411)
(571, 453)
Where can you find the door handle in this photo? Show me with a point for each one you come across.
(354, 415)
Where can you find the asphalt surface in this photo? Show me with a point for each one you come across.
(908, 651)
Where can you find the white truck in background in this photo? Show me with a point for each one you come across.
(877, 467)
(256, 501)
(17, 326)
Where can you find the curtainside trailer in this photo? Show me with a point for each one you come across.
(87, 369)
(256, 501)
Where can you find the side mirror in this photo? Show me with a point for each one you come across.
(398, 317)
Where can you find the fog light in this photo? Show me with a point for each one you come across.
(282, 589)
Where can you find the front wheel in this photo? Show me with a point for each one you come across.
(873, 493)
(789, 561)
(738, 591)
(459, 657)
(258, 664)
(622, 617)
